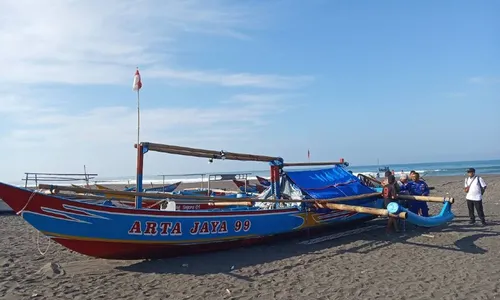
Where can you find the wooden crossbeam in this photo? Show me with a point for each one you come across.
(196, 152)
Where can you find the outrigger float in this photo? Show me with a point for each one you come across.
(296, 202)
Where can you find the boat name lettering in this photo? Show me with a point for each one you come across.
(188, 207)
(199, 227)
(215, 227)
(154, 228)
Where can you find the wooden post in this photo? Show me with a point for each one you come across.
(140, 169)
(271, 179)
(276, 170)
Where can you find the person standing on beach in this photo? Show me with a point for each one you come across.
(419, 188)
(403, 189)
(389, 194)
(386, 181)
(475, 188)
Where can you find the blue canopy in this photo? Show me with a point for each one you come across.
(328, 183)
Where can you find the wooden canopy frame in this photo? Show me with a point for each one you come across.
(276, 162)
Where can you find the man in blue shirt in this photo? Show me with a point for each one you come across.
(418, 187)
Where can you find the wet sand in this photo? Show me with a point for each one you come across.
(455, 261)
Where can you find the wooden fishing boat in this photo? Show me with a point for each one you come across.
(249, 188)
(263, 181)
(162, 189)
(215, 177)
(298, 201)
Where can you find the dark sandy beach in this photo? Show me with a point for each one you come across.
(455, 261)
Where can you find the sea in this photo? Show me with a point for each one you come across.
(425, 169)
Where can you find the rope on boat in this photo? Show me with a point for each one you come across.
(29, 200)
(38, 244)
(32, 196)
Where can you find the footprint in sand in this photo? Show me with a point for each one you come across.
(51, 270)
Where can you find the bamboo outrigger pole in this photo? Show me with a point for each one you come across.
(57, 188)
(101, 198)
(362, 209)
(428, 198)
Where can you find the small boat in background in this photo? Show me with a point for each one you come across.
(162, 189)
(384, 169)
(246, 187)
(263, 181)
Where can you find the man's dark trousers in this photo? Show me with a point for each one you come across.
(479, 208)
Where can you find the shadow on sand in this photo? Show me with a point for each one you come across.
(225, 261)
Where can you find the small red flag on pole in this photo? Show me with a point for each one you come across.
(137, 85)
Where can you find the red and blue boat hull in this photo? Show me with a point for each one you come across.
(128, 233)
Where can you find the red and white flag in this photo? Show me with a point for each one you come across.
(137, 85)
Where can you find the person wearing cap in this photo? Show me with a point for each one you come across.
(474, 187)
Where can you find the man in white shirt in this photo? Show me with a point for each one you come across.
(475, 188)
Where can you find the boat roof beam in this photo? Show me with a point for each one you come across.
(325, 163)
(210, 154)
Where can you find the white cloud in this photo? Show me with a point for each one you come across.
(101, 42)
(60, 141)
(233, 80)
(48, 47)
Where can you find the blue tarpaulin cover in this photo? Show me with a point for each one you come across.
(328, 183)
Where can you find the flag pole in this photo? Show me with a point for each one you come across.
(138, 118)
(140, 155)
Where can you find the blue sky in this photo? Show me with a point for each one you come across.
(398, 81)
